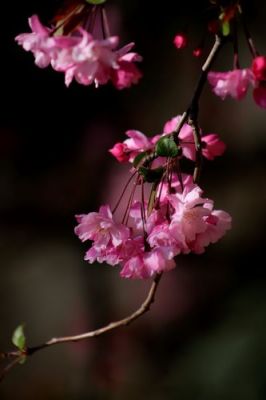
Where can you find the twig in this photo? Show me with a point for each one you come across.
(254, 52)
(191, 114)
(144, 307)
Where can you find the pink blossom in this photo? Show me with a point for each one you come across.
(217, 223)
(38, 41)
(212, 146)
(155, 218)
(180, 41)
(259, 68)
(135, 268)
(190, 210)
(120, 152)
(159, 260)
(92, 60)
(127, 72)
(146, 265)
(232, 83)
(109, 254)
(161, 238)
(101, 228)
(259, 95)
(131, 147)
(82, 57)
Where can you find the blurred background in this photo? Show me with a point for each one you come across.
(204, 337)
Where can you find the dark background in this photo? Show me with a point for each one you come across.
(205, 335)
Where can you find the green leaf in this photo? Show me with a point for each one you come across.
(151, 175)
(18, 338)
(95, 2)
(139, 158)
(226, 28)
(166, 147)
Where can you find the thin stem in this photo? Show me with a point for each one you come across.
(123, 192)
(144, 307)
(130, 200)
(192, 111)
(105, 22)
(10, 366)
(236, 64)
(254, 52)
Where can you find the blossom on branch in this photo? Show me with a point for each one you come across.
(81, 56)
(182, 222)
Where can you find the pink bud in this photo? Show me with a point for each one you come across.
(197, 52)
(180, 41)
(119, 151)
(213, 26)
(259, 68)
(259, 95)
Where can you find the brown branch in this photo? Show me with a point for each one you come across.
(191, 114)
(10, 366)
(29, 351)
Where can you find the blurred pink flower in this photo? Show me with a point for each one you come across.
(82, 57)
(212, 146)
(180, 41)
(259, 68)
(232, 83)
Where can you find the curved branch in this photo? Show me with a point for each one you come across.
(144, 307)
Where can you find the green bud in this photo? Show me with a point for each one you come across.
(18, 338)
(166, 147)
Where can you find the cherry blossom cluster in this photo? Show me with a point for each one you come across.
(212, 145)
(174, 219)
(79, 55)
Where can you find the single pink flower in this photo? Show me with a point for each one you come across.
(131, 147)
(217, 223)
(92, 60)
(32, 41)
(101, 228)
(161, 238)
(120, 152)
(127, 72)
(180, 41)
(190, 210)
(259, 68)
(232, 83)
(38, 42)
